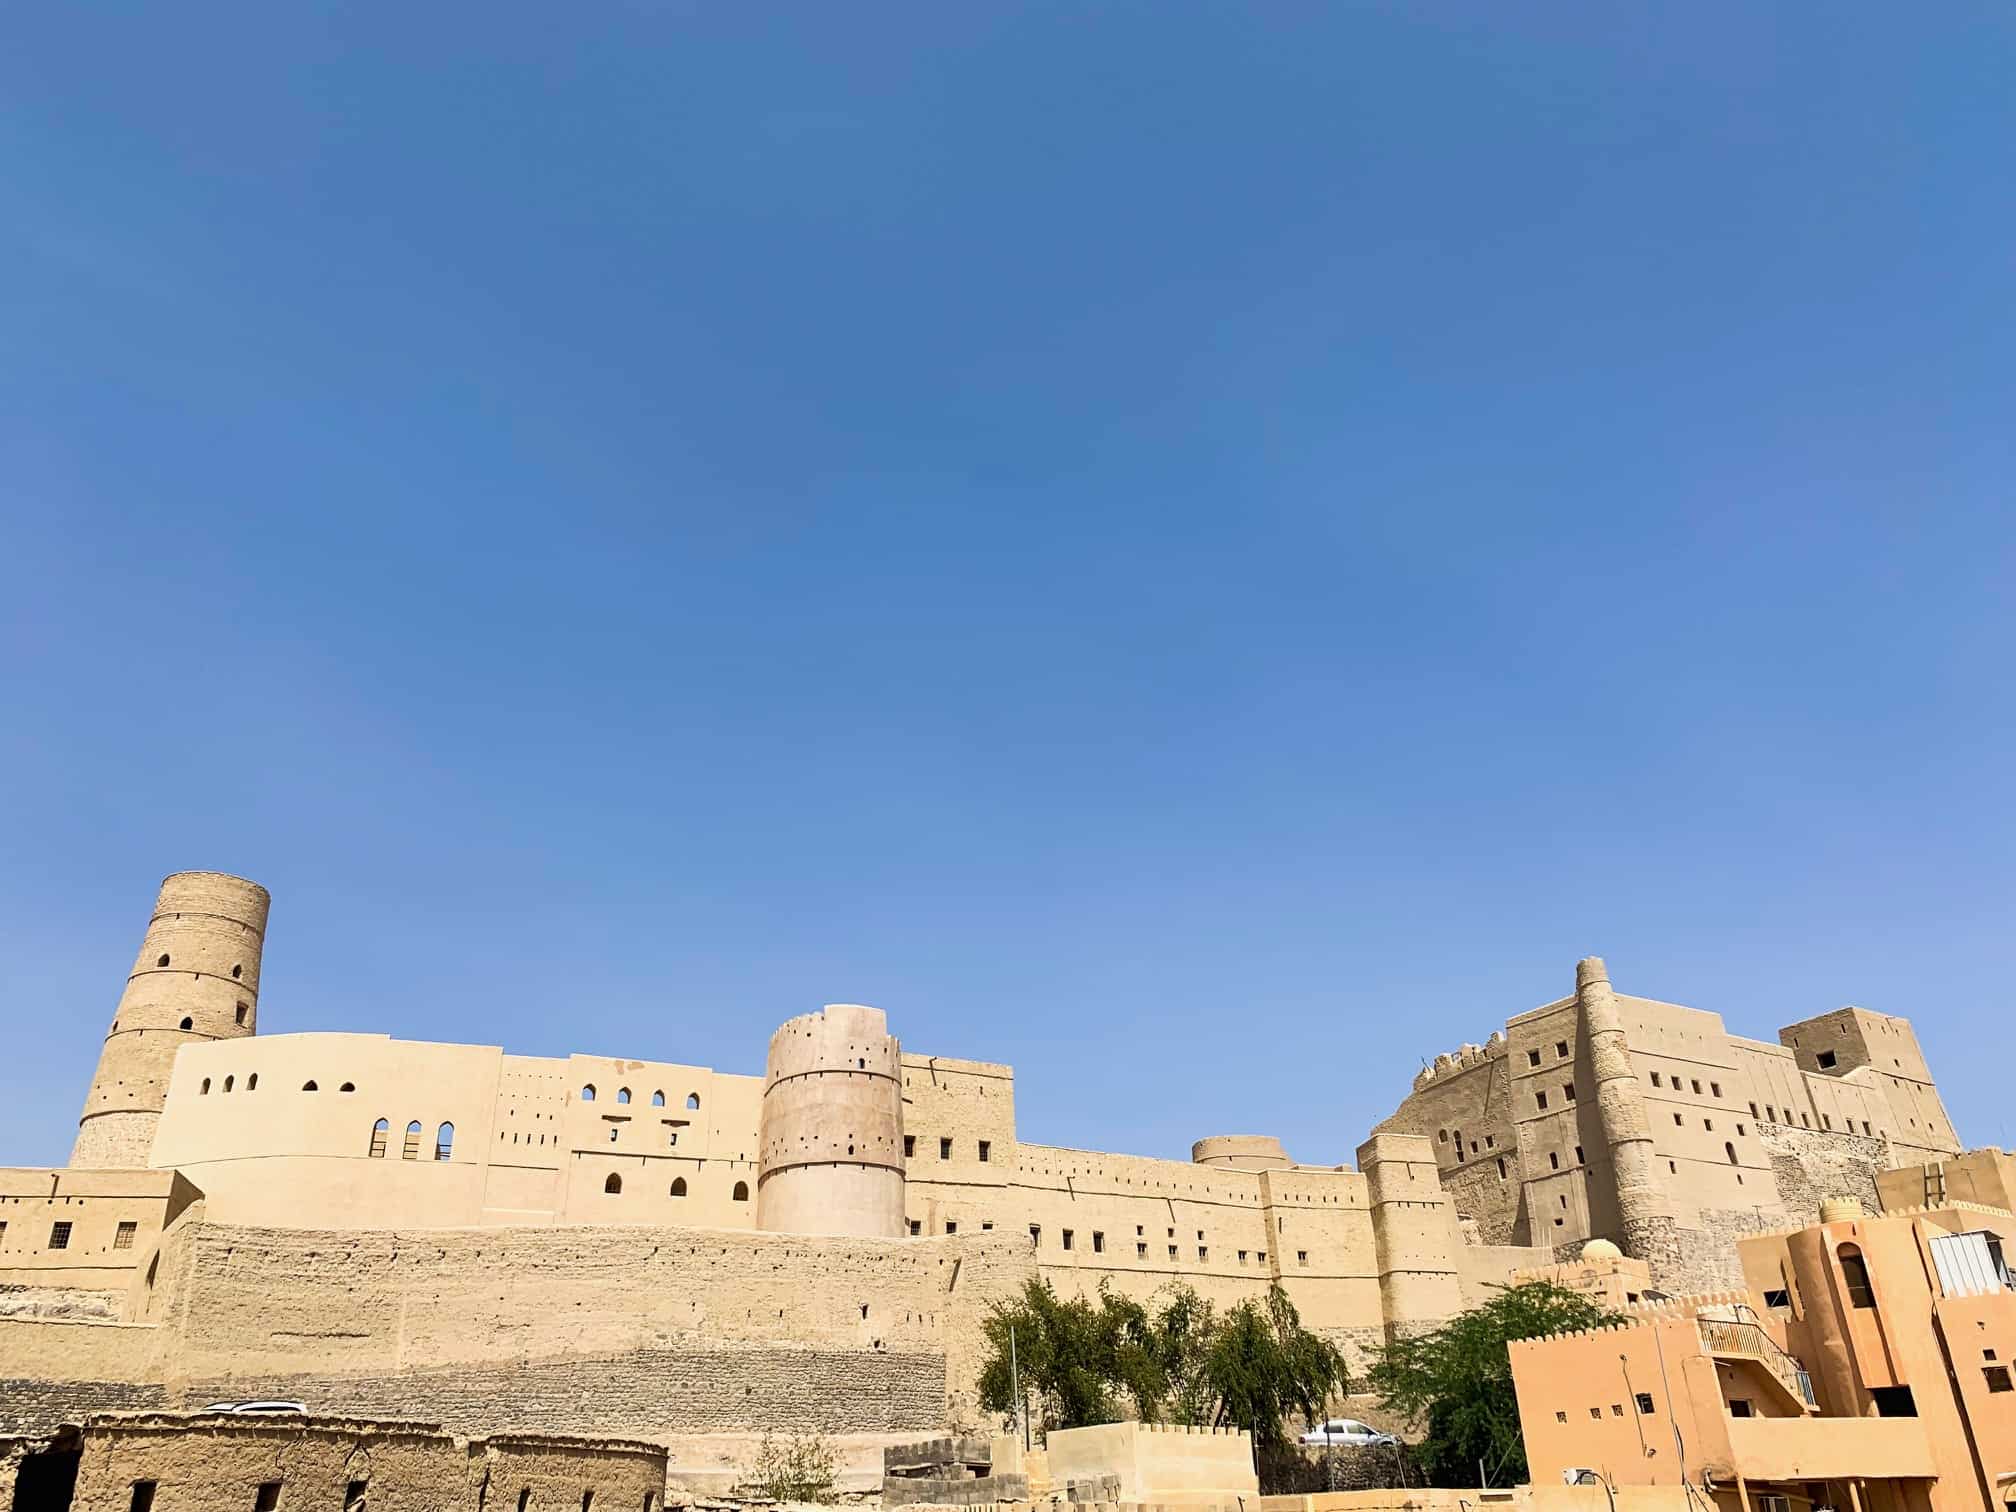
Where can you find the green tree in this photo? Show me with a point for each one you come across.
(1457, 1380)
(1087, 1361)
(1262, 1366)
(1078, 1357)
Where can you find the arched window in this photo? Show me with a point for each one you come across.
(252, 1082)
(692, 1100)
(613, 1185)
(444, 1141)
(205, 1091)
(657, 1099)
(1729, 1150)
(741, 1191)
(1855, 1275)
(309, 1086)
(162, 962)
(524, 1500)
(412, 1150)
(379, 1131)
(242, 1011)
(188, 1023)
(622, 1094)
(347, 1087)
(587, 1500)
(237, 972)
(678, 1186)
(588, 1093)
(227, 1082)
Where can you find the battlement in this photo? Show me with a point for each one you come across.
(1463, 1058)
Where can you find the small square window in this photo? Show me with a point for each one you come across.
(1778, 1297)
(1742, 1407)
(916, 1226)
(1987, 1354)
(59, 1235)
(1616, 1409)
(987, 1227)
(1203, 1252)
(1242, 1257)
(1568, 1090)
(268, 1497)
(1560, 1417)
(1532, 1057)
(1561, 1049)
(1826, 1060)
(1301, 1257)
(122, 1238)
(1597, 1413)
(1678, 1120)
(951, 1228)
(1998, 1377)
(1140, 1252)
(1644, 1401)
(1172, 1252)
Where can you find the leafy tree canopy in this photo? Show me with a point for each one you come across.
(1457, 1380)
(1086, 1361)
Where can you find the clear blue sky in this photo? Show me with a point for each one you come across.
(1207, 552)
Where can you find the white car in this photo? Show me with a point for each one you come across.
(1344, 1433)
(256, 1407)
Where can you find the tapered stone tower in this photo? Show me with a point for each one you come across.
(1643, 1207)
(197, 979)
(832, 1126)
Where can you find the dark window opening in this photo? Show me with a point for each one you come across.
(909, 1145)
(741, 1192)
(1778, 1298)
(1894, 1401)
(1826, 1060)
(353, 1496)
(59, 1235)
(678, 1186)
(613, 1185)
(1855, 1275)
(1741, 1407)
(162, 962)
(241, 1013)
(143, 1497)
(986, 1149)
(268, 1497)
(944, 1149)
(1644, 1400)
(1998, 1377)
(188, 1023)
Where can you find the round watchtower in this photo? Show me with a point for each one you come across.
(197, 979)
(832, 1126)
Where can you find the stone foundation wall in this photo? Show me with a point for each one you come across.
(645, 1393)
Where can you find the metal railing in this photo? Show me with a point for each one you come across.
(1738, 1336)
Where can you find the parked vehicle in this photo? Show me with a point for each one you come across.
(256, 1408)
(1346, 1433)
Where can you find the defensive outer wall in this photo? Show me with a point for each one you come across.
(649, 1248)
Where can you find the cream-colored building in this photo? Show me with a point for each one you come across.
(1602, 1115)
(597, 1244)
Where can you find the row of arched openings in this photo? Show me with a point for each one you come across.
(381, 1136)
(623, 1096)
(614, 1185)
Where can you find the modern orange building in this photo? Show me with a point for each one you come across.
(1865, 1369)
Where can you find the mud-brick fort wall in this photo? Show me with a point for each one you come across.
(651, 1332)
(1744, 1136)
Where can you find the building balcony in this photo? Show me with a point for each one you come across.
(1738, 1341)
(1816, 1449)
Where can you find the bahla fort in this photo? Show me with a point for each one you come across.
(492, 1280)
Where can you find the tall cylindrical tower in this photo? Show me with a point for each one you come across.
(197, 979)
(832, 1126)
(1642, 1204)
